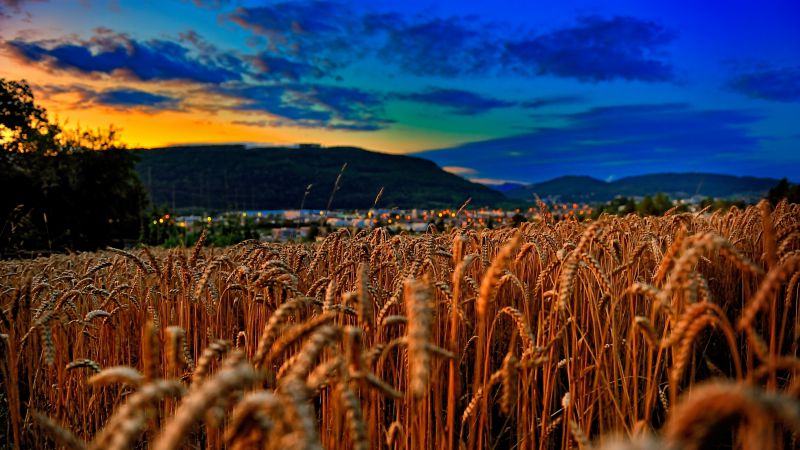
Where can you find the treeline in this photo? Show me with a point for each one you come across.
(62, 190)
(658, 205)
(661, 203)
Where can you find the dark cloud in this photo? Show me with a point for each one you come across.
(457, 101)
(446, 47)
(264, 66)
(213, 4)
(333, 34)
(315, 39)
(14, 10)
(270, 67)
(15, 6)
(253, 123)
(310, 105)
(779, 84)
(320, 31)
(118, 98)
(190, 57)
(108, 52)
(133, 98)
(543, 102)
(619, 141)
(597, 49)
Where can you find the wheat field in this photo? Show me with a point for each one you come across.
(673, 332)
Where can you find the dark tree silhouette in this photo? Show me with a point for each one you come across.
(782, 190)
(61, 189)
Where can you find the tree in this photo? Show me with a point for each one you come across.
(646, 207)
(24, 126)
(313, 232)
(782, 190)
(662, 203)
(62, 189)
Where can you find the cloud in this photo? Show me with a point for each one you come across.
(496, 182)
(597, 49)
(15, 6)
(118, 98)
(620, 140)
(265, 83)
(457, 170)
(190, 57)
(310, 105)
(252, 123)
(212, 4)
(446, 47)
(331, 35)
(320, 31)
(458, 101)
(271, 67)
(299, 40)
(131, 98)
(107, 53)
(779, 84)
(13, 9)
(543, 102)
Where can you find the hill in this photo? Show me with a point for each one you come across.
(223, 177)
(505, 187)
(676, 185)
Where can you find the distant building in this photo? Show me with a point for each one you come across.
(418, 227)
(285, 234)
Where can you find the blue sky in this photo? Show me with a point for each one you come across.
(493, 91)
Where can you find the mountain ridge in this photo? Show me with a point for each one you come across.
(238, 176)
(674, 184)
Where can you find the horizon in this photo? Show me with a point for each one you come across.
(512, 94)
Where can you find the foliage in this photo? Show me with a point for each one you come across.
(24, 127)
(648, 206)
(654, 206)
(74, 189)
(784, 189)
(721, 204)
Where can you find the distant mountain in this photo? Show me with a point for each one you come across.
(505, 187)
(236, 177)
(676, 185)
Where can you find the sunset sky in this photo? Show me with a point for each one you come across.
(504, 90)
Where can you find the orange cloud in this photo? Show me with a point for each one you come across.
(458, 170)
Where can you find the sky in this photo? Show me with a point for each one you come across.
(509, 90)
